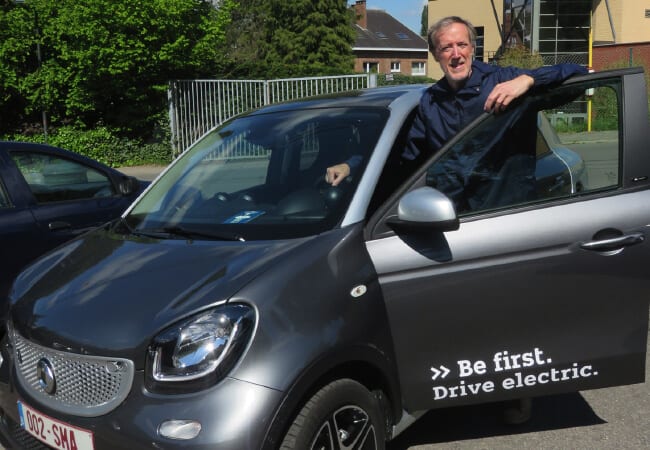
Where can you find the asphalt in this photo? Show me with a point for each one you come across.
(147, 172)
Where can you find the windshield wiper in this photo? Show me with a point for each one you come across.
(188, 233)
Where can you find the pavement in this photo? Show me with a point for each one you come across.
(146, 172)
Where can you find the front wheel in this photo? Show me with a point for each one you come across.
(341, 415)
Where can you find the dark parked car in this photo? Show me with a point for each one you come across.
(48, 196)
(243, 303)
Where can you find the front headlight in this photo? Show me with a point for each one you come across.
(199, 351)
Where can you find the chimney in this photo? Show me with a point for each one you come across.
(360, 12)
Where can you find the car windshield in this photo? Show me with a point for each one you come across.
(261, 176)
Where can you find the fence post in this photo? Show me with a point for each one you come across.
(172, 118)
(267, 95)
(372, 80)
(631, 57)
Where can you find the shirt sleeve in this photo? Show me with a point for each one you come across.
(416, 139)
(546, 75)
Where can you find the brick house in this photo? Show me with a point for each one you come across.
(621, 33)
(384, 45)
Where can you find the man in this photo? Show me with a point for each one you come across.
(467, 89)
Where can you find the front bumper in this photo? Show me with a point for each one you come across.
(233, 415)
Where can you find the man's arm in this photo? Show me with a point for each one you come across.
(504, 93)
(335, 174)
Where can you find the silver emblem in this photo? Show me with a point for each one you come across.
(45, 375)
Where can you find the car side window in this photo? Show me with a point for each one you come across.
(546, 148)
(4, 199)
(55, 179)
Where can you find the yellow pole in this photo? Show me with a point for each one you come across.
(591, 41)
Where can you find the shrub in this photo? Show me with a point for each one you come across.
(402, 79)
(105, 146)
(521, 57)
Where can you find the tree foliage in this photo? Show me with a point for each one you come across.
(107, 63)
(425, 21)
(104, 61)
(522, 57)
(276, 38)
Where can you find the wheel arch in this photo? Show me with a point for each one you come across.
(373, 373)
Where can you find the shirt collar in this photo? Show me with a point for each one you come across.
(473, 85)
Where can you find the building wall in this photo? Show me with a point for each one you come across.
(479, 13)
(628, 17)
(384, 60)
(621, 55)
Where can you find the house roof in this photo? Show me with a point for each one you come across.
(384, 32)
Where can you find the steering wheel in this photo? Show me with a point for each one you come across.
(331, 194)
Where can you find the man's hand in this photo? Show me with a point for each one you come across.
(504, 93)
(337, 173)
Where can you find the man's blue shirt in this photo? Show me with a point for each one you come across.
(443, 112)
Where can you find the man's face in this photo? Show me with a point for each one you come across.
(454, 53)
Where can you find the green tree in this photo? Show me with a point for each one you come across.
(305, 37)
(521, 57)
(425, 21)
(246, 40)
(106, 61)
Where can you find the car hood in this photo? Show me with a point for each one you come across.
(109, 294)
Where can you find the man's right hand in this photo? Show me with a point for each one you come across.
(337, 173)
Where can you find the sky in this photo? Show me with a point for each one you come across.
(409, 12)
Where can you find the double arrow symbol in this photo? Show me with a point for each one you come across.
(442, 373)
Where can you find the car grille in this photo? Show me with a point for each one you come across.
(21, 439)
(86, 386)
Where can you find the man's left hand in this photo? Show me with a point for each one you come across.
(504, 93)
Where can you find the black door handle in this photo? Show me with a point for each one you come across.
(59, 225)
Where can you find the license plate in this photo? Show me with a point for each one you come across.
(54, 433)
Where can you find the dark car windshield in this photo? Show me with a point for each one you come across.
(261, 177)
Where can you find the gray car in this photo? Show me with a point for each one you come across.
(244, 303)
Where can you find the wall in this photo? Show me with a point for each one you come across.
(479, 13)
(606, 55)
(384, 60)
(628, 17)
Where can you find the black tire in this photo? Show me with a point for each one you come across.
(343, 414)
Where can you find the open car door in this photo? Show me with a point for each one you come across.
(539, 290)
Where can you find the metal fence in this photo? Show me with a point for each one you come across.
(196, 106)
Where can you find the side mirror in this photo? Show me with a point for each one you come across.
(428, 208)
(129, 185)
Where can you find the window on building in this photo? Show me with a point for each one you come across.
(370, 66)
(563, 30)
(381, 35)
(403, 36)
(418, 68)
(480, 45)
(395, 66)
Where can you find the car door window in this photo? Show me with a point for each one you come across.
(4, 199)
(55, 179)
(546, 148)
